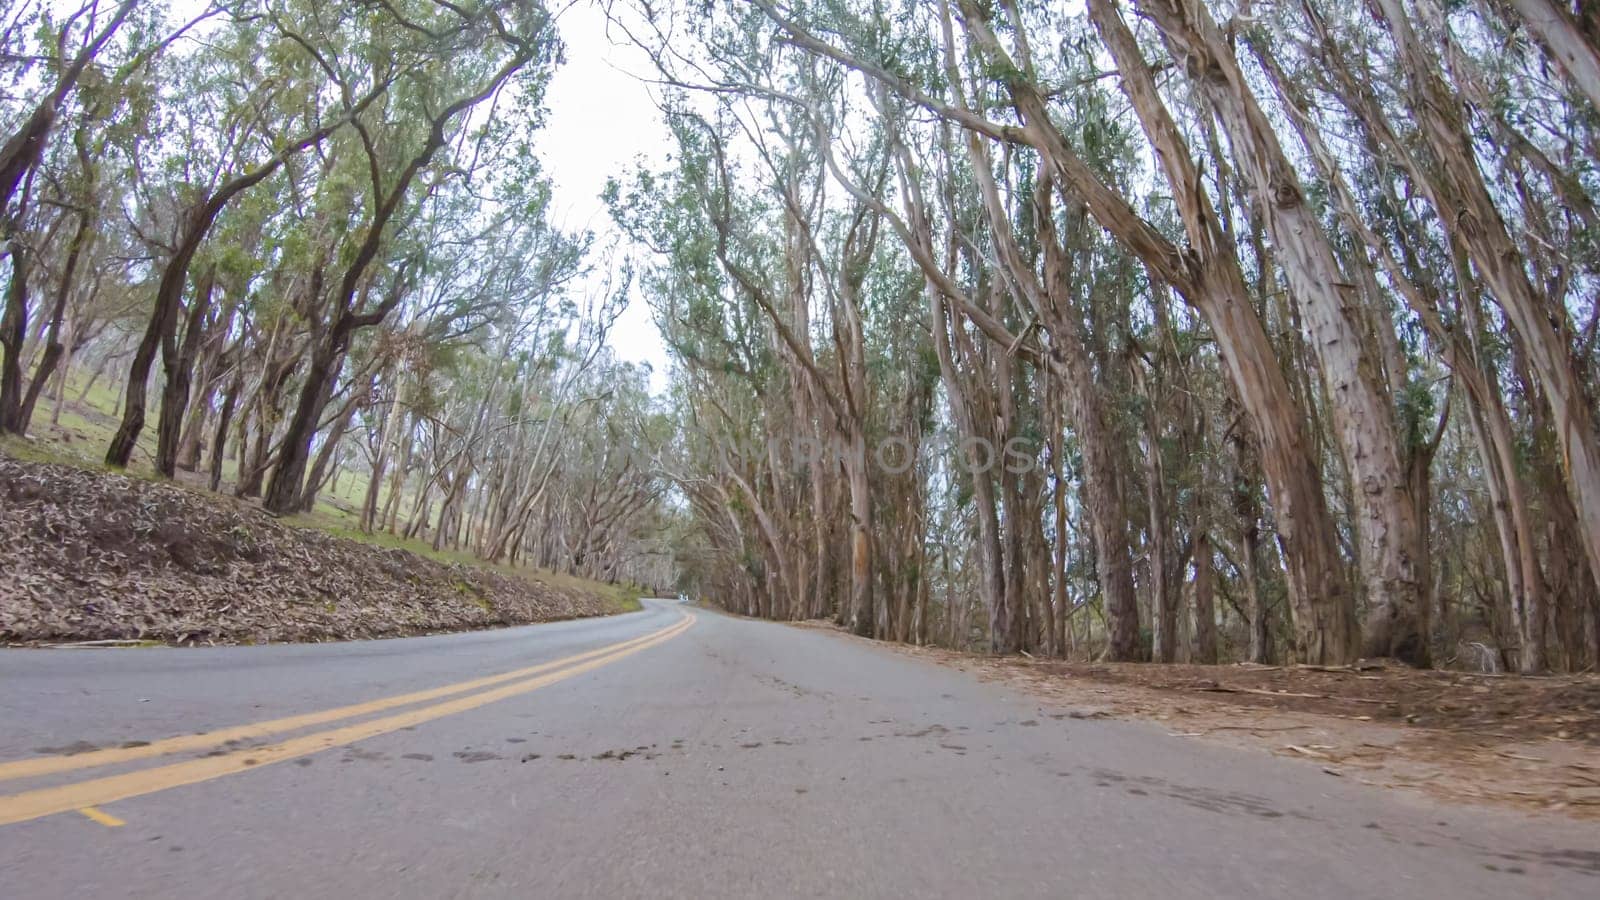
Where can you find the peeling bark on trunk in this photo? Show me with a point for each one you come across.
(1574, 52)
(1473, 222)
(1390, 541)
(1324, 611)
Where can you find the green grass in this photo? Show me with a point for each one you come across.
(622, 597)
(85, 429)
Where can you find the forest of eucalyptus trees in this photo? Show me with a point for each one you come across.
(306, 243)
(1145, 329)
(1284, 313)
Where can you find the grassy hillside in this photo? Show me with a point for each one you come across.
(84, 429)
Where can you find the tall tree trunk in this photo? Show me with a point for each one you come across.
(179, 370)
(861, 606)
(1205, 610)
(1058, 498)
(1324, 610)
(1574, 52)
(286, 486)
(1472, 221)
(1164, 596)
(53, 347)
(230, 398)
(330, 445)
(1363, 418)
(13, 332)
(211, 376)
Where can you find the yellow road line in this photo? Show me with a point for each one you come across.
(49, 801)
(103, 818)
(49, 765)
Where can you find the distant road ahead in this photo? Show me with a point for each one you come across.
(676, 753)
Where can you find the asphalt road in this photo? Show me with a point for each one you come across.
(677, 753)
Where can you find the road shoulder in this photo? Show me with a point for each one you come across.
(1442, 734)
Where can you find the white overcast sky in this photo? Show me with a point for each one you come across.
(602, 119)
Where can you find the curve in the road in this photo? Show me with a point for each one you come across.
(35, 767)
(78, 795)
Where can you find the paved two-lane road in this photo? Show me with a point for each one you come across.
(676, 753)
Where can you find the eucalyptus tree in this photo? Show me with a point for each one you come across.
(76, 38)
(87, 66)
(607, 482)
(1363, 416)
(464, 57)
(1277, 321)
(256, 126)
(494, 301)
(1327, 611)
(1404, 147)
(1289, 173)
(549, 388)
(719, 247)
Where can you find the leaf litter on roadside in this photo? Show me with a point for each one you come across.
(87, 555)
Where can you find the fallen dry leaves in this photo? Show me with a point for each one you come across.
(87, 555)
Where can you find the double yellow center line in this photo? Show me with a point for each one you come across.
(479, 692)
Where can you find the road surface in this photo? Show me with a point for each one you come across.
(676, 752)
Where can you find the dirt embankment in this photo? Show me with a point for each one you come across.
(88, 555)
